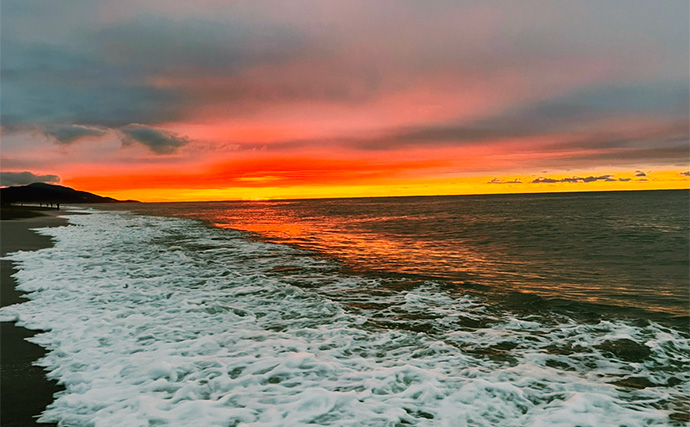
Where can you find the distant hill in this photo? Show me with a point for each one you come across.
(47, 193)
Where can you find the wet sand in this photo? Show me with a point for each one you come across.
(24, 389)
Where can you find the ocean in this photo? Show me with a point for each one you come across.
(507, 310)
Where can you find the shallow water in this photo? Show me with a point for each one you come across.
(165, 321)
(624, 250)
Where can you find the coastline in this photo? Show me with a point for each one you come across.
(25, 391)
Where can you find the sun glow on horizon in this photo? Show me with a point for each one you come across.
(513, 184)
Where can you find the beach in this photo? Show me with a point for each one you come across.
(24, 389)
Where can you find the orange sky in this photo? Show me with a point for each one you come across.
(166, 102)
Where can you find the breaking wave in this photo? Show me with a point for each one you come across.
(164, 321)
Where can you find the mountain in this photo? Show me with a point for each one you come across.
(47, 193)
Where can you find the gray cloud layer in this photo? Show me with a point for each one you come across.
(23, 178)
(159, 141)
(574, 179)
(67, 134)
(75, 72)
(101, 76)
(500, 181)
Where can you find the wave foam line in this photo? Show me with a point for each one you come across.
(155, 321)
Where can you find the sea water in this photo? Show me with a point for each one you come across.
(553, 310)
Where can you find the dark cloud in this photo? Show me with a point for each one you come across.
(663, 97)
(51, 84)
(67, 134)
(433, 135)
(661, 135)
(676, 154)
(685, 173)
(574, 179)
(157, 140)
(673, 131)
(406, 137)
(157, 43)
(666, 144)
(542, 180)
(640, 173)
(625, 179)
(500, 181)
(23, 178)
(86, 71)
(576, 110)
(102, 76)
(608, 178)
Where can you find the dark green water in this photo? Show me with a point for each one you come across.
(609, 253)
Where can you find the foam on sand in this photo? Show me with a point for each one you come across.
(153, 321)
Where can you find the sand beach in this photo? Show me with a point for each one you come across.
(24, 389)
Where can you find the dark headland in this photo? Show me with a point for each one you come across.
(39, 192)
(26, 201)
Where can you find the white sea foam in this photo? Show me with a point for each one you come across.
(159, 321)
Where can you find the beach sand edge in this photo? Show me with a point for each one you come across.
(25, 391)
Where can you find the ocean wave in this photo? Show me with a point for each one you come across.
(164, 321)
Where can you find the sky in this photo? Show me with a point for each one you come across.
(219, 100)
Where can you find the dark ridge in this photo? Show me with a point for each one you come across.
(46, 193)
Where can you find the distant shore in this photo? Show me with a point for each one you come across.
(24, 389)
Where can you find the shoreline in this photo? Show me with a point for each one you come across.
(205, 302)
(25, 391)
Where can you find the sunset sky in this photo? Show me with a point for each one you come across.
(215, 100)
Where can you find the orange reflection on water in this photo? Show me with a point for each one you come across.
(356, 240)
(545, 245)
(288, 231)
